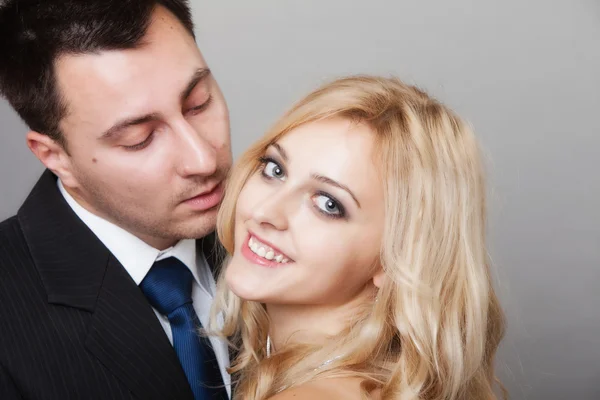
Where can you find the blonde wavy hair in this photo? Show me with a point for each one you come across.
(434, 330)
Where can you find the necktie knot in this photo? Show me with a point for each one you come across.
(168, 285)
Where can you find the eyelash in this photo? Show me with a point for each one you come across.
(140, 145)
(264, 161)
(202, 106)
(147, 141)
(342, 214)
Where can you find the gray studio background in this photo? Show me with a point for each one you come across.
(525, 73)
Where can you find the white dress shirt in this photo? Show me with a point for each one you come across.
(137, 257)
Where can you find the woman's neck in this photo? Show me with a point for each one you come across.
(313, 323)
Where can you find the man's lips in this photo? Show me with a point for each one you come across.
(207, 199)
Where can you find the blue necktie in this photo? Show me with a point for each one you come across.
(168, 288)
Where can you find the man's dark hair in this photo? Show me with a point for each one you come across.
(34, 33)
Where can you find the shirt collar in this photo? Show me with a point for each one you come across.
(184, 251)
(136, 256)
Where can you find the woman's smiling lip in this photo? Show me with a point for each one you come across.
(271, 245)
(256, 259)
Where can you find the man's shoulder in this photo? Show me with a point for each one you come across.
(14, 252)
(10, 233)
(19, 278)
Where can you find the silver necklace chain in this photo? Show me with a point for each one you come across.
(324, 364)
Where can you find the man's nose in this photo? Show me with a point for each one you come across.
(197, 156)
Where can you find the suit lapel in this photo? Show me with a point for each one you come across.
(128, 340)
(79, 272)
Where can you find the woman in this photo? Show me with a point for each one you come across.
(358, 266)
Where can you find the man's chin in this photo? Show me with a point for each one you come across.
(199, 227)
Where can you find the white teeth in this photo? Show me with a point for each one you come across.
(265, 251)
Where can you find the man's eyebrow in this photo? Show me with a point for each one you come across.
(128, 122)
(199, 76)
(332, 182)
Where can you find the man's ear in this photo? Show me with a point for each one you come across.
(53, 155)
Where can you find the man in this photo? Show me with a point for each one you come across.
(102, 283)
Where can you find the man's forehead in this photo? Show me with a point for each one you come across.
(163, 21)
(95, 84)
(117, 80)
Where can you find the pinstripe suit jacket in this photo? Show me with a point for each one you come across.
(73, 324)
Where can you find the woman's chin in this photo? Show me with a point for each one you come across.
(244, 283)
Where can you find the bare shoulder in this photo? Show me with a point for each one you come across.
(324, 389)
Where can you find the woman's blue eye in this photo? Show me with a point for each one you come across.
(272, 170)
(328, 205)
